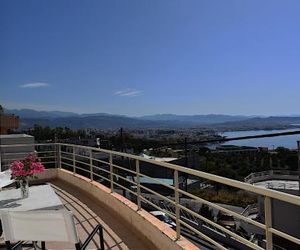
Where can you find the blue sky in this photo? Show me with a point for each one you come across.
(147, 57)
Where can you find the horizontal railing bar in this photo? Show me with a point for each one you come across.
(157, 194)
(284, 235)
(14, 159)
(85, 163)
(29, 144)
(219, 246)
(20, 153)
(67, 153)
(43, 157)
(158, 181)
(85, 170)
(47, 162)
(42, 152)
(100, 176)
(223, 229)
(101, 169)
(78, 155)
(125, 169)
(223, 180)
(104, 162)
(159, 208)
(67, 164)
(211, 204)
(125, 179)
(130, 191)
(82, 156)
(68, 159)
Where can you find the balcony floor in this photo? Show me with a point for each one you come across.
(88, 213)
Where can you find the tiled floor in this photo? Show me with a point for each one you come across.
(88, 213)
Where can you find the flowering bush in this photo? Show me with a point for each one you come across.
(26, 168)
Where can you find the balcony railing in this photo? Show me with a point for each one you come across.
(272, 174)
(107, 167)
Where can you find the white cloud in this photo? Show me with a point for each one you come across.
(34, 85)
(128, 92)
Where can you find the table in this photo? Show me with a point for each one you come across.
(41, 197)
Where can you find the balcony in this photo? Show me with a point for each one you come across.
(106, 186)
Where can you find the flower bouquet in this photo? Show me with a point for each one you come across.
(22, 170)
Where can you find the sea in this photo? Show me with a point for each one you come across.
(288, 141)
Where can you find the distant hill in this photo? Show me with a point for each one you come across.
(272, 122)
(101, 121)
(30, 113)
(108, 121)
(197, 119)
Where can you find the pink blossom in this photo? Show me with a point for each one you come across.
(27, 167)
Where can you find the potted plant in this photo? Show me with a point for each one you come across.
(22, 170)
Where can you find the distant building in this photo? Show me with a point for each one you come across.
(285, 216)
(236, 149)
(13, 147)
(160, 159)
(8, 122)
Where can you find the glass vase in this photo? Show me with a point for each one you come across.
(24, 187)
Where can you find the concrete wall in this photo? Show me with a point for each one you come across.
(142, 222)
(285, 216)
(9, 154)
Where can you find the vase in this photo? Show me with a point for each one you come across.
(24, 187)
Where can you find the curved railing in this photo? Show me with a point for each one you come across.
(277, 174)
(107, 167)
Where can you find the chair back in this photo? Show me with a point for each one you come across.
(5, 178)
(44, 225)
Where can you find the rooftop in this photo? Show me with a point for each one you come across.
(278, 184)
(16, 136)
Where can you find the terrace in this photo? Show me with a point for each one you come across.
(93, 183)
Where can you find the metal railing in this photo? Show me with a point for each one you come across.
(126, 179)
(272, 174)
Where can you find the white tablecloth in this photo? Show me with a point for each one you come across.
(41, 197)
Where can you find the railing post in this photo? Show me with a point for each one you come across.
(298, 147)
(91, 165)
(137, 169)
(0, 157)
(58, 152)
(268, 223)
(177, 209)
(74, 159)
(111, 171)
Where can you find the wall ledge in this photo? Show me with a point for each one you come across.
(149, 227)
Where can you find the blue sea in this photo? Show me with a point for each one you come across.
(289, 141)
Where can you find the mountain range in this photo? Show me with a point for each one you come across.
(29, 117)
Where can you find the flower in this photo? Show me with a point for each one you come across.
(26, 168)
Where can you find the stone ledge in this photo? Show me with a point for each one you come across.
(144, 223)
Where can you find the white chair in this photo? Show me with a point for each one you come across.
(46, 225)
(5, 178)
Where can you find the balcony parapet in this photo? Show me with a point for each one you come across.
(143, 223)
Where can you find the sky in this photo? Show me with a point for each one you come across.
(151, 56)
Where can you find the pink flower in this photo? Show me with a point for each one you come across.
(27, 167)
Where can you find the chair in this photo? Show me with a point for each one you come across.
(43, 226)
(5, 179)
